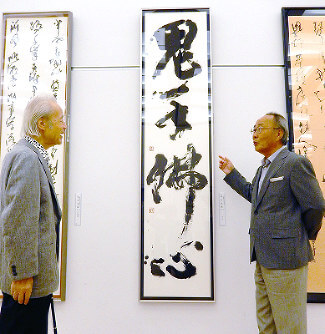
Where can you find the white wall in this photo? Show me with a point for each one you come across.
(104, 252)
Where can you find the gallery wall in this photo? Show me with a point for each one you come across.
(103, 253)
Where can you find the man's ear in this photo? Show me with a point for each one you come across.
(280, 133)
(41, 124)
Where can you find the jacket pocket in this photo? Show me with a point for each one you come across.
(284, 233)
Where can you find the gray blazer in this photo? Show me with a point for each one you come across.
(29, 220)
(287, 211)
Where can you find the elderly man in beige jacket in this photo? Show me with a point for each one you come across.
(29, 221)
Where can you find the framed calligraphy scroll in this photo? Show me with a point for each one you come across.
(176, 180)
(36, 60)
(304, 55)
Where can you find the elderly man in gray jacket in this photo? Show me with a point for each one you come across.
(29, 221)
(286, 212)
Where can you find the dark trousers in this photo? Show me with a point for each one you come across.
(24, 319)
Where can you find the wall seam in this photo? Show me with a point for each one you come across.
(100, 68)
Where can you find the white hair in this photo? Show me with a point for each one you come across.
(38, 107)
(282, 123)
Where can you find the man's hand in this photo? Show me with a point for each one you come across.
(21, 290)
(225, 165)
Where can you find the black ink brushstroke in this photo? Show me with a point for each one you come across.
(36, 26)
(318, 28)
(178, 116)
(181, 175)
(175, 92)
(198, 246)
(190, 196)
(296, 28)
(189, 270)
(176, 42)
(155, 268)
(156, 175)
(186, 244)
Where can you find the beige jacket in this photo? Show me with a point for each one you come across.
(29, 221)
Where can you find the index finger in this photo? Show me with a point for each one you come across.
(224, 159)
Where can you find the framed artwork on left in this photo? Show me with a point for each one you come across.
(36, 53)
(176, 156)
(304, 59)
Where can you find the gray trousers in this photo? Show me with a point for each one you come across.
(281, 300)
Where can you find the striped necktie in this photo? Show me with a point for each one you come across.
(266, 163)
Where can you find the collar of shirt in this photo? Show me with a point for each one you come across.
(273, 156)
(40, 148)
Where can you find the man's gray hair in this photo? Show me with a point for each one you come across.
(38, 107)
(282, 123)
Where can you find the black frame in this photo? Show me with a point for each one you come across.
(211, 298)
(312, 297)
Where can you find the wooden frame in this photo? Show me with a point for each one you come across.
(36, 60)
(176, 155)
(304, 57)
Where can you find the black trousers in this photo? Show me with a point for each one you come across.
(24, 319)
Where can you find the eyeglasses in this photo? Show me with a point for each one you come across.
(259, 129)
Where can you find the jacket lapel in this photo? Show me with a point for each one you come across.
(255, 186)
(274, 166)
(47, 172)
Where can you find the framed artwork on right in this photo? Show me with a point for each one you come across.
(304, 60)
